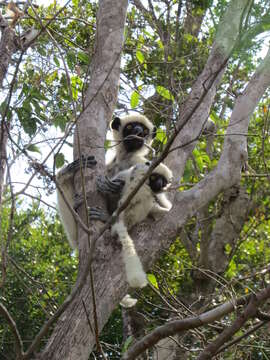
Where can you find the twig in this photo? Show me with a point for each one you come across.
(14, 330)
(249, 312)
(239, 338)
(178, 326)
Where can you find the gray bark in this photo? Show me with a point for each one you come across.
(7, 48)
(72, 337)
(226, 230)
(226, 39)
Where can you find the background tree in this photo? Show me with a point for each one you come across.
(194, 68)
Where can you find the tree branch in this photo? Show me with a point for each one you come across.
(99, 102)
(14, 330)
(227, 38)
(249, 312)
(175, 327)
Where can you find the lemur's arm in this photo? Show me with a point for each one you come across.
(161, 206)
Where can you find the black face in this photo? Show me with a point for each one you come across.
(157, 182)
(134, 134)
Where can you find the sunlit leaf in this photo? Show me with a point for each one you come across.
(161, 136)
(84, 57)
(134, 99)
(140, 56)
(152, 279)
(164, 92)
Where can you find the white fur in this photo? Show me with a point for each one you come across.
(162, 169)
(118, 159)
(128, 301)
(67, 219)
(145, 202)
(136, 276)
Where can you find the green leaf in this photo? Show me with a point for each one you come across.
(84, 57)
(126, 344)
(161, 136)
(59, 160)
(36, 106)
(71, 59)
(140, 56)
(60, 121)
(164, 93)
(152, 279)
(29, 123)
(198, 159)
(3, 106)
(35, 93)
(134, 100)
(189, 37)
(188, 172)
(214, 116)
(33, 148)
(160, 44)
(56, 61)
(42, 52)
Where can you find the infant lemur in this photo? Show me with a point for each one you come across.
(149, 200)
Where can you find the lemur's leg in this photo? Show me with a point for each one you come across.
(67, 173)
(107, 186)
(85, 162)
(97, 213)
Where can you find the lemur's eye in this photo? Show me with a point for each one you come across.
(145, 131)
(152, 177)
(129, 127)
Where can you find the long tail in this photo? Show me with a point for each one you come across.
(136, 276)
(70, 225)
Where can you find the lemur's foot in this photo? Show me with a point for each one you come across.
(107, 186)
(84, 161)
(97, 213)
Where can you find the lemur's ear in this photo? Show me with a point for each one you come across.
(116, 123)
(154, 132)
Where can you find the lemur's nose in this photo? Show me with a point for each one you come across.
(138, 130)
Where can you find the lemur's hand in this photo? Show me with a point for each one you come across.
(97, 213)
(107, 186)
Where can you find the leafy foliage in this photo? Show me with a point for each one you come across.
(40, 272)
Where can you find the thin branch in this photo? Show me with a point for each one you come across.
(239, 338)
(178, 326)
(13, 327)
(5, 246)
(249, 312)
